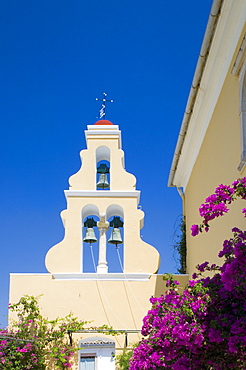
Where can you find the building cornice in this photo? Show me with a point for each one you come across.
(202, 60)
(103, 194)
(90, 276)
(226, 34)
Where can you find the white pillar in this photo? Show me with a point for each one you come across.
(102, 225)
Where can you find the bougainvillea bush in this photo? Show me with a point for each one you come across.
(33, 342)
(205, 326)
(216, 204)
(16, 353)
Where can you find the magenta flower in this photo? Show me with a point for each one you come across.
(194, 230)
(216, 204)
(244, 212)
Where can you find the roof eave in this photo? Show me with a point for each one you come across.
(202, 59)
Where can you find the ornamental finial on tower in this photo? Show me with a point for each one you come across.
(102, 111)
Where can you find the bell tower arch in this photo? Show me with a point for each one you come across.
(102, 188)
(103, 168)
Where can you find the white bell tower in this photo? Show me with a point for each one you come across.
(103, 189)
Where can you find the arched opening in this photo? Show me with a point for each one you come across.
(102, 248)
(90, 238)
(103, 168)
(115, 238)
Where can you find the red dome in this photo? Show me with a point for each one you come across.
(103, 122)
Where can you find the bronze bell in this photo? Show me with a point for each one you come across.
(103, 181)
(90, 236)
(115, 237)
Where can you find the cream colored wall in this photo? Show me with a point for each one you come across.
(217, 163)
(121, 304)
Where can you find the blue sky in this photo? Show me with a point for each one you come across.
(56, 58)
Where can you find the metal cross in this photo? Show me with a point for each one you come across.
(102, 111)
